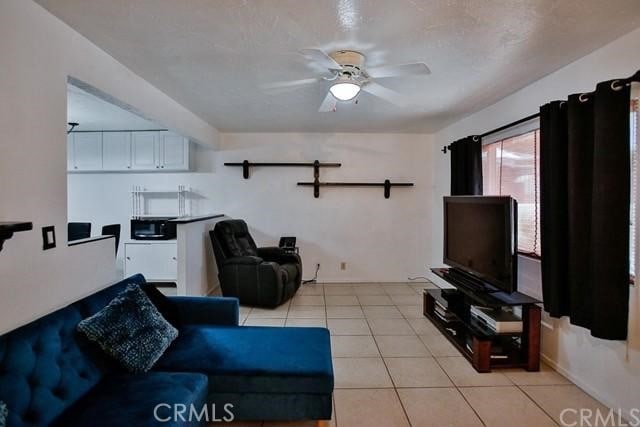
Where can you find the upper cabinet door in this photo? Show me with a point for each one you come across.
(174, 152)
(116, 151)
(70, 151)
(145, 151)
(87, 151)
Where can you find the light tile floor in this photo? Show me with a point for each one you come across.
(393, 367)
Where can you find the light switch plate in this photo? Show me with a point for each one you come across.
(48, 237)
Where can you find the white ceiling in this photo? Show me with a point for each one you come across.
(211, 56)
(94, 113)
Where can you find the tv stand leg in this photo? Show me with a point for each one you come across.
(531, 316)
(481, 355)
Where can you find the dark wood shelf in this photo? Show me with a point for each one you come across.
(7, 229)
(386, 185)
(476, 341)
(246, 165)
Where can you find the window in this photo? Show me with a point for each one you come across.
(510, 166)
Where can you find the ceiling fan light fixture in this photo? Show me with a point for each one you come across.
(344, 91)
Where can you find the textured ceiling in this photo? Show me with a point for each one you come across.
(211, 56)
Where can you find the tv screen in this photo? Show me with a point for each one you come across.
(480, 238)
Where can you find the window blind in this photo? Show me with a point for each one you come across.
(511, 167)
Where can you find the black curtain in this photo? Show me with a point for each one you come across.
(466, 166)
(585, 196)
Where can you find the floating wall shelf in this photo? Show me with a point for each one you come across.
(386, 184)
(8, 228)
(316, 165)
(316, 184)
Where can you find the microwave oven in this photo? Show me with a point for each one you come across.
(153, 228)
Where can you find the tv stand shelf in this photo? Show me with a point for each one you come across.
(474, 340)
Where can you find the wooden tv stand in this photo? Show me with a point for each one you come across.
(475, 341)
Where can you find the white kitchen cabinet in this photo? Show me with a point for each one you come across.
(174, 152)
(69, 151)
(116, 151)
(86, 151)
(157, 151)
(145, 150)
(157, 261)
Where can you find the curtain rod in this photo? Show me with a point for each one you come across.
(499, 129)
(615, 85)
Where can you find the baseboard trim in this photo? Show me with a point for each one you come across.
(584, 386)
(376, 282)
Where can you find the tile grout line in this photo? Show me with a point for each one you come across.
(326, 322)
(536, 403)
(447, 374)
(460, 392)
(395, 389)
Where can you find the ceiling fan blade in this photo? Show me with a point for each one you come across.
(329, 103)
(321, 58)
(416, 69)
(289, 84)
(384, 93)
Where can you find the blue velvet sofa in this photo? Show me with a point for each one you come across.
(50, 375)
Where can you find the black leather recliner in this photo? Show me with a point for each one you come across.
(265, 277)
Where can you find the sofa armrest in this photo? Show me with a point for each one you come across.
(207, 310)
(279, 255)
(243, 260)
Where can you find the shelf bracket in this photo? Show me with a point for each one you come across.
(245, 169)
(316, 179)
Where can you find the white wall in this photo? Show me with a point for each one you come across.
(197, 269)
(38, 53)
(609, 370)
(379, 239)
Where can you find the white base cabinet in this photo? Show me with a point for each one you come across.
(157, 261)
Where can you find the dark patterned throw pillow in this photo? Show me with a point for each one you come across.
(4, 413)
(131, 330)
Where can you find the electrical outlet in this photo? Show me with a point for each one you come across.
(343, 265)
(48, 237)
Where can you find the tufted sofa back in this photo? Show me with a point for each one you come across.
(45, 366)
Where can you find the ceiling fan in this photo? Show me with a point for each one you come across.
(349, 77)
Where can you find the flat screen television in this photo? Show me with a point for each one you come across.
(480, 239)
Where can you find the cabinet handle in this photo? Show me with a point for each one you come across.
(128, 259)
(174, 258)
(75, 167)
(162, 167)
(128, 167)
(157, 167)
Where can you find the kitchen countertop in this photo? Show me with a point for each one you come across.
(190, 219)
